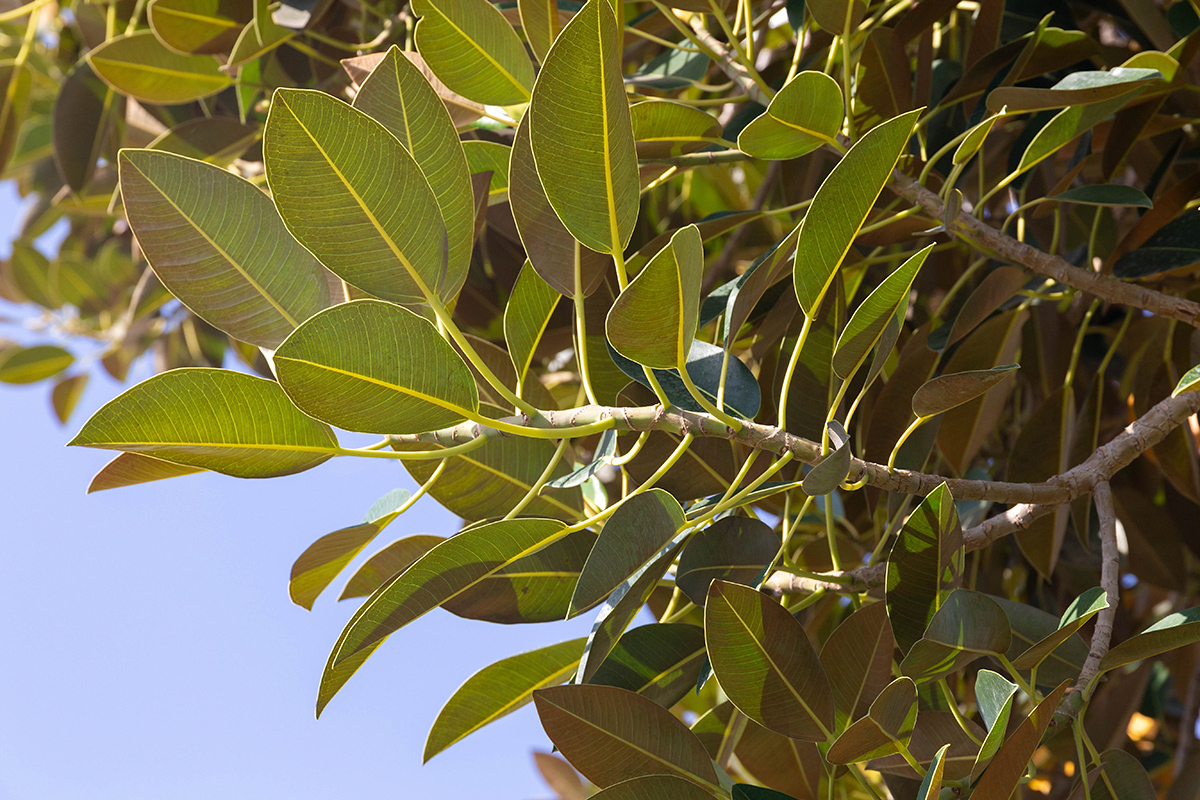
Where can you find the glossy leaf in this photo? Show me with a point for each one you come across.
(950, 391)
(828, 475)
(661, 662)
(734, 549)
(925, 567)
(212, 419)
(376, 367)
(138, 65)
(611, 735)
(350, 193)
(581, 133)
(1081, 610)
(654, 787)
(1069, 124)
(805, 114)
(631, 537)
(972, 143)
(966, 626)
(886, 728)
(130, 469)
(1079, 88)
(857, 657)
(606, 450)
(1172, 631)
(994, 696)
(1108, 194)
(841, 205)
(218, 244)
(742, 393)
(500, 689)
(198, 26)
(766, 664)
(471, 47)
(387, 564)
(931, 784)
(1190, 382)
(1004, 773)
(653, 321)
(33, 364)
(1175, 245)
(663, 129)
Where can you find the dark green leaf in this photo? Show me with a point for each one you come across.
(857, 657)
(966, 626)
(1108, 194)
(828, 475)
(606, 450)
(1082, 609)
(735, 549)
(659, 661)
(886, 728)
(1175, 245)
(1171, 632)
(742, 392)
(1077, 89)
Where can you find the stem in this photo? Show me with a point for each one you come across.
(536, 488)
(622, 460)
(412, 455)
(962, 722)
(912, 762)
(918, 422)
(581, 336)
(699, 397)
(791, 369)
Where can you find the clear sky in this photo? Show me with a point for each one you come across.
(149, 648)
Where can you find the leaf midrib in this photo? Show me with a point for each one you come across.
(486, 55)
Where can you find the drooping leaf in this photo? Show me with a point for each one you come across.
(130, 469)
(841, 205)
(1173, 246)
(664, 129)
(324, 559)
(1108, 194)
(1069, 124)
(217, 243)
(972, 143)
(950, 391)
(734, 549)
(925, 567)
(1082, 609)
(828, 475)
(659, 661)
(140, 66)
(350, 193)
(500, 689)
(65, 395)
(471, 47)
(1172, 631)
(440, 575)
(560, 776)
(805, 114)
(606, 450)
(1041, 451)
(867, 323)
(783, 764)
(1079, 88)
(198, 26)
(541, 24)
(581, 133)
(16, 82)
(32, 364)
(886, 728)
(994, 696)
(766, 664)
(85, 115)
(372, 366)
(214, 419)
(387, 564)
(966, 626)
(1030, 625)
(611, 735)
(653, 321)
(742, 392)
(857, 657)
(1008, 766)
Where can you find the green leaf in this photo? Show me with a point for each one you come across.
(742, 392)
(214, 419)
(857, 657)
(1030, 625)
(324, 559)
(1107, 194)
(671, 69)
(994, 696)
(925, 567)
(745, 791)
(1173, 246)
(440, 575)
(473, 50)
(766, 664)
(526, 316)
(198, 26)
(581, 133)
(950, 391)
(1082, 609)
(805, 114)
(130, 469)
(1077, 89)
(734, 549)
(1067, 125)
(611, 735)
(606, 451)
(972, 143)
(1122, 777)
(350, 193)
(660, 661)
(33, 364)
(217, 243)
(217, 140)
(1169, 633)
(85, 117)
(1008, 766)
(886, 728)
(993, 291)
(493, 157)
(664, 129)
(833, 469)
(387, 564)
(376, 367)
(1190, 382)
(260, 37)
(653, 322)
(500, 689)
(931, 784)
(654, 787)
(631, 537)
(841, 205)
(16, 82)
(966, 626)
(867, 323)
(138, 65)
(540, 23)
(934, 729)
(836, 16)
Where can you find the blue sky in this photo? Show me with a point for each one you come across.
(150, 649)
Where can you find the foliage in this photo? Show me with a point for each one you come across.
(845, 336)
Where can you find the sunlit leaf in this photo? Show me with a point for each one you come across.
(1008, 766)
(1172, 631)
(886, 728)
(33, 364)
(1190, 382)
(1081, 610)
(994, 696)
(663, 129)
(130, 469)
(966, 626)
(198, 26)
(138, 65)
(805, 114)
(1079, 88)
(473, 49)
(659, 661)
(950, 391)
(931, 784)
(867, 323)
(541, 24)
(388, 563)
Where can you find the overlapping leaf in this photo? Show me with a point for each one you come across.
(140, 66)
(661, 662)
(471, 47)
(805, 114)
(734, 549)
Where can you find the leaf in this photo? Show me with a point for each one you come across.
(214, 419)
(660, 661)
(935, 729)
(130, 469)
(857, 657)
(606, 451)
(671, 69)
(805, 114)
(867, 323)
(836, 16)
(260, 37)
(471, 47)
(1030, 625)
(85, 115)
(745, 791)
(324, 559)
(387, 564)
(1003, 775)
(139, 66)
(217, 243)
(498, 690)
(887, 726)
(1173, 246)
(198, 26)
(994, 696)
(33, 364)
(1121, 777)
(1079, 88)
(493, 157)
(540, 23)
(654, 787)
(950, 391)
(1190, 382)
(1108, 194)
(931, 784)
(350, 193)
(1067, 125)
(664, 129)
(1041, 451)
(560, 776)
(631, 537)
(1082, 609)
(841, 205)
(611, 735)
(376, 367)
(581, 133)
(886, 81)
(65, 395)
(463, 112)
(742, 393)
(925, 567)
(733, 549)
(828, 475)
(397, 95)
(765, 663)
(217, 140)
(993, 291)
(16, 82)
(440, 575)
(653, 321)
(966, 626)
(972, 143)
(561, 261)
(526, 316)
(1169, 633)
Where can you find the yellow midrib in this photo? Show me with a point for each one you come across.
(174, 73)
(486, 55)
(404, 390)
(553, 679)
(610, 196)
(215, 22)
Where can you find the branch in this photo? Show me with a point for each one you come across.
(1110, 567)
